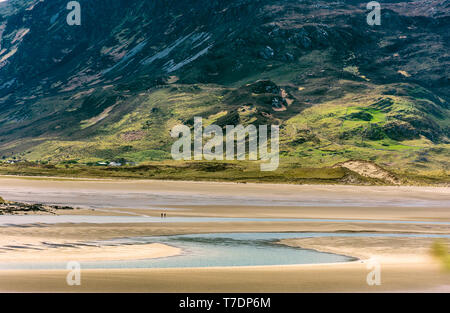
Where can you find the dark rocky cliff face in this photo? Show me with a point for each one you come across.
(156, 38)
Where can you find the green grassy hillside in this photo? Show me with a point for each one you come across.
(339, 89)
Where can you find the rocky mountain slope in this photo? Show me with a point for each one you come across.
(112, 88)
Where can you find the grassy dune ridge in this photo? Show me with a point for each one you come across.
(364, 173)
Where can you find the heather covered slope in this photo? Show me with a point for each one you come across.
(340, 89)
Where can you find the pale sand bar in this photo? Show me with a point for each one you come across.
(104, 253)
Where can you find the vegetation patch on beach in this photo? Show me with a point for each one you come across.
(441, 250)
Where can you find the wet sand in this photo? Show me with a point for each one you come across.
(159, 194)
(109, 231)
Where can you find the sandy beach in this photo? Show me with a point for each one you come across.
(402, 270)
(406, 263)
